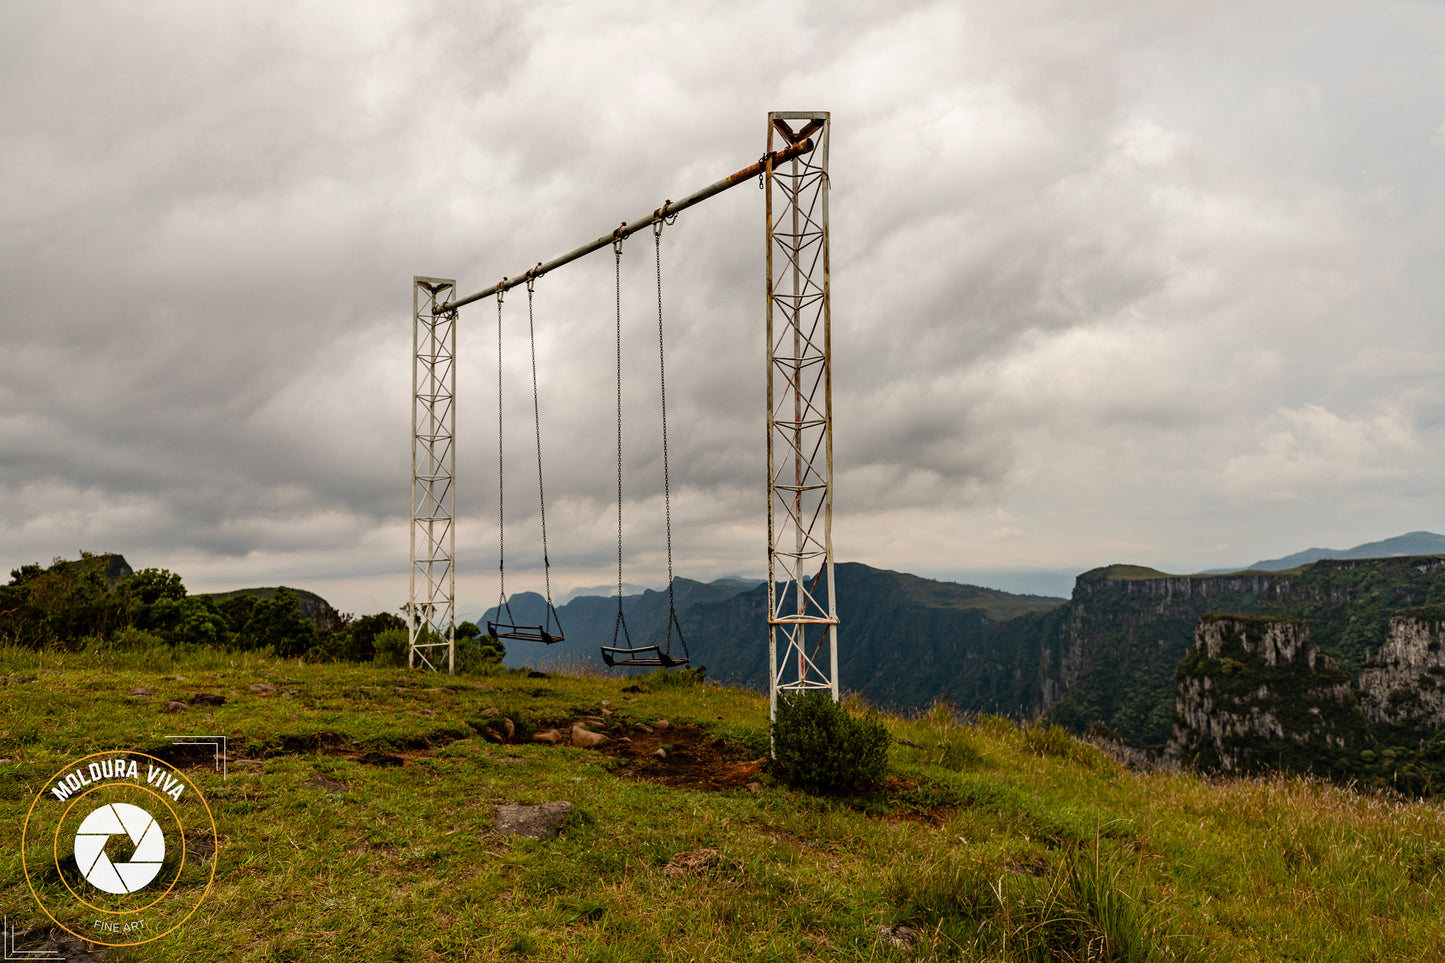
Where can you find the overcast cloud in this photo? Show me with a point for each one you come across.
(1149, 282)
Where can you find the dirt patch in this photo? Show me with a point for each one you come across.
(693, 759)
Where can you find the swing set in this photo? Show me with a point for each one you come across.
(793, 171)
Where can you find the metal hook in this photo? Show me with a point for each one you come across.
(501, 288)
(660, 217)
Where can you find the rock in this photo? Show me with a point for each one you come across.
(607, 712)
(490, 711)
(429, 713)
(660, 753)
(492, 735)
(140, 693)
(643, 727)
(174, 706)
(207, 699)
(742, 772)
(479, 688)
(661, 724)
(605, 704)
(900, 936)
(534, 822)
(20, 679)
(691, 861)
(626, 739)
(319, 781)
(50, 672)
(262, 688)
(583, 739)
(551, 737)
(754, 787)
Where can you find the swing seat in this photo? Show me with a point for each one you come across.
(644, 656)
(523, 633)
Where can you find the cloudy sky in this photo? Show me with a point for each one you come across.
(1157, 283)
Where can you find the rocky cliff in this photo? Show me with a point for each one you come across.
(1403, 683)
(1256, 693)
(1110, 655)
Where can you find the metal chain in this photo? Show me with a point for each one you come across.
(617, 262)
(537, 421)
(662, 382)
(672, 619)
(501, 487)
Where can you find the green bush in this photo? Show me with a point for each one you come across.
(819, 747)
(391, 647)
(477, 653)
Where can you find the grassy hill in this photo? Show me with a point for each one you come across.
(357, 821)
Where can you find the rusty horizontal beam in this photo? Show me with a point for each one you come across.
(668, 209)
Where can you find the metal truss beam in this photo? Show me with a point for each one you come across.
(802, 615)
(431, 609)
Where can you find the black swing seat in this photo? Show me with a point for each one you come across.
(647, 655)
(523, 633)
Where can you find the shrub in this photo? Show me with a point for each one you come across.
(391, 647)
(819, 747)
(477, 653)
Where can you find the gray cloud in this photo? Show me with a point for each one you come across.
(1128, 279)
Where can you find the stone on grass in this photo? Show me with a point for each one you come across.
(900, 936)
(319, 781)
(582, 738)
(691, 861)
(551, 737)
(660, 753)
(174, 706)
(262, 688)
(534, 822)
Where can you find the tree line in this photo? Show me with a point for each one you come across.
(73, 605)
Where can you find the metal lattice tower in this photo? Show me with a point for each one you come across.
(432, 607)
(801, 611)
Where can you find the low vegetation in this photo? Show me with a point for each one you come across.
(357, 820)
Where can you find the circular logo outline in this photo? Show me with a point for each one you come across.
(25, 829)
(55, 851)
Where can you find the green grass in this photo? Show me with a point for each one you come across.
(994, 842)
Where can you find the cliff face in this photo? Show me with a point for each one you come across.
(1256, 693)
(1404, 682)
(1126, 628)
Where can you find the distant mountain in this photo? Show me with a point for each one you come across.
(903, 641)
(1411, 543)
(311, 605)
